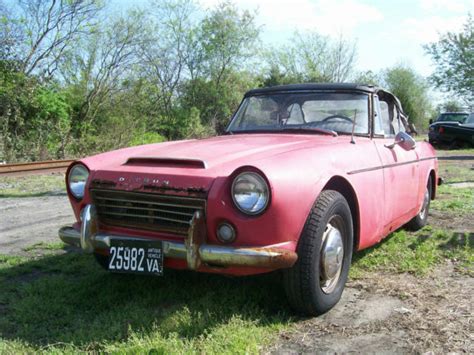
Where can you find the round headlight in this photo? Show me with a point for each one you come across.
(77, 180)
(250, 193)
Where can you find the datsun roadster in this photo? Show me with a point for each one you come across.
(304, 176)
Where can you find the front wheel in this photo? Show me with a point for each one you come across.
(315, 283)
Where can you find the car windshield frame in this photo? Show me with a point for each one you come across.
(328, 101)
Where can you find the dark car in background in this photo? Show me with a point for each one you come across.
(454, 128)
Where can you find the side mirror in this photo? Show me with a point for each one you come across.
(431, 121)
(404, 140)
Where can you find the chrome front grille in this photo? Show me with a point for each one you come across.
(146, 211)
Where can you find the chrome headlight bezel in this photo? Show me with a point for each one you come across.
(264, 190)
(77, 180)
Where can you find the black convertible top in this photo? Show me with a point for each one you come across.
(313, 87)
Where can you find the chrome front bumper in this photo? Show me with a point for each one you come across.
(193, 250)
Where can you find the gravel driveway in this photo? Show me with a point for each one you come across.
(25, 221)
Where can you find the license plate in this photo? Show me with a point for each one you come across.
(136, 257)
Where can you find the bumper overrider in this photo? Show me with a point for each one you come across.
(194, 249)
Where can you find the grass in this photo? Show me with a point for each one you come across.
(457, 201)
(451, 172)
(31, 186)
(460, 170)
(417, 253)
(442, 151)
(65, 303)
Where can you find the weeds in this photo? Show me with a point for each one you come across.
(32, 186)
(66, 303)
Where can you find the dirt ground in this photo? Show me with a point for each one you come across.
(383, 313)
(392, 314)
(25, 221)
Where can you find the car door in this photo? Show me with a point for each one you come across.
(400, 166)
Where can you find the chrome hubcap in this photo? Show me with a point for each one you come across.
(424, 208)
(332, 255)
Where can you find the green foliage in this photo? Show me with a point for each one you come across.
(411, 90)
(146, 138)
(310, 57)
(453, 56)
(216, 104)
(451, 106)
(35, 118)
(227, 39)
(52, 120)
(368, 77)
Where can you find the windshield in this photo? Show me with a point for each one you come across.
(303, 111)
(452, 117)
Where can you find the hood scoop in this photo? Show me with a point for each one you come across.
(167, 162)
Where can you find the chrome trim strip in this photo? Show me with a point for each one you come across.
(388, 166)
(187, 214)
(154, 203)
(212, 254)
(147, 217)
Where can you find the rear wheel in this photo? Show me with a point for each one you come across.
(315, 283)
(420, 220)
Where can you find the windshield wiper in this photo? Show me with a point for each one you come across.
(311, 129)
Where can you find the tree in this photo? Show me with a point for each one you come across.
(34, 118)
(227, 38)
(311, 57)
(412, 91)
(216, 105)
(47, 29)
(97, 69)
(166, 50)
(11, 35)
(453, 56)
(223, 42)
(451, 106)
(367, 77)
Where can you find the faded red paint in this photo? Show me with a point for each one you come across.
(297, 168)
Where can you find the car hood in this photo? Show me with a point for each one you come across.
(192, 165)
(209, 154)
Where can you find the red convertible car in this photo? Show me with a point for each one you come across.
(304, 176)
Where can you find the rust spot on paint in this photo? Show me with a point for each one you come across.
(100, 183)
(275, 258)
(189, 190)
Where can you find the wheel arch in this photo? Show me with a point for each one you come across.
(341, 185)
